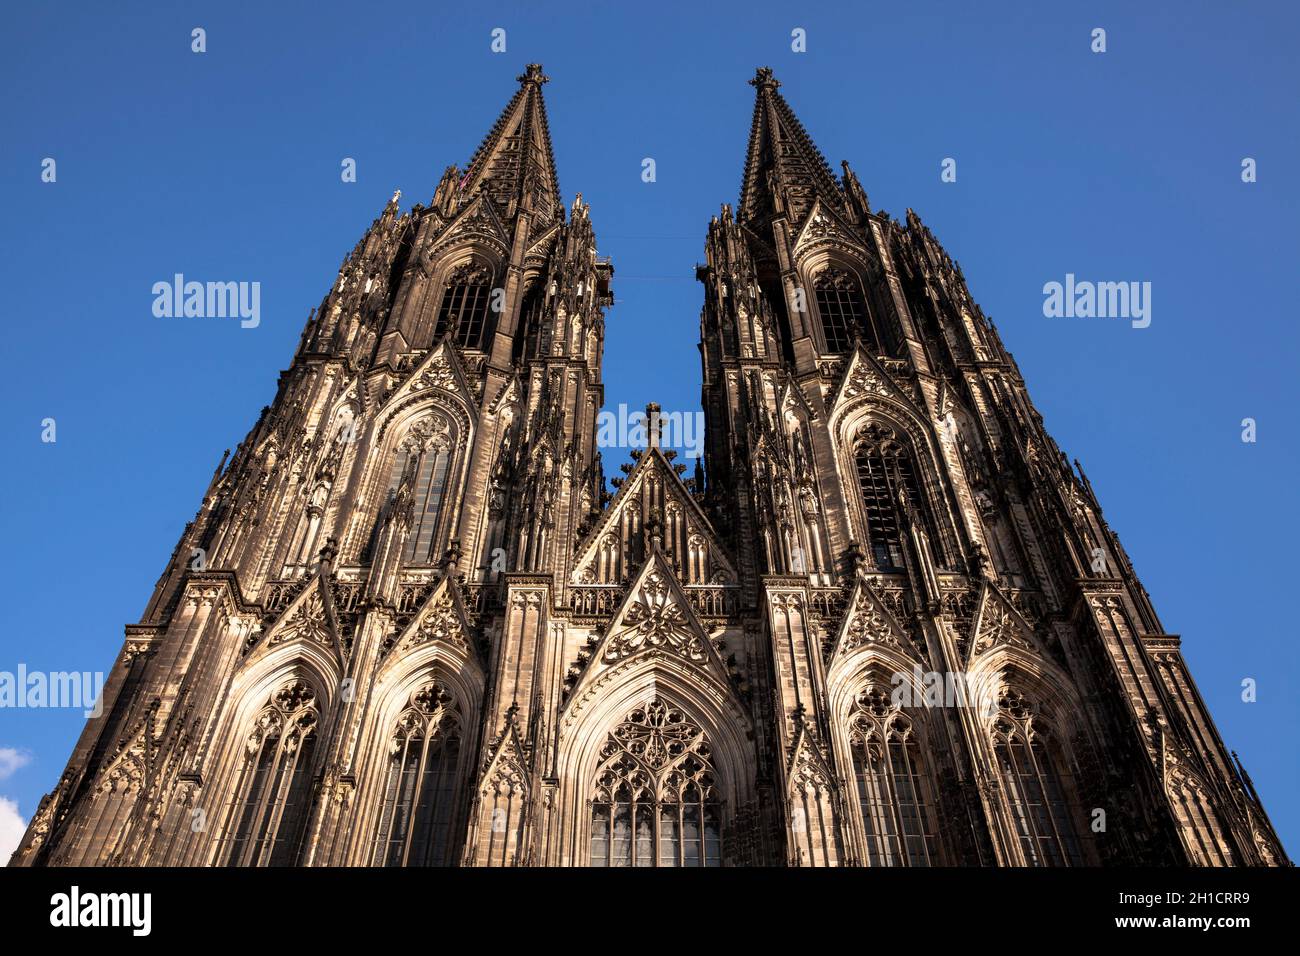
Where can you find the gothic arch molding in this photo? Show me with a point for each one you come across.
(848, 673)
(249, 694)
(399, 681)
(585, 729)
(459, 248)
(397, 678)
(1008, 665)
(847, 426)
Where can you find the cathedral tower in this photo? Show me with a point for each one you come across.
(356, 624)
(965, 668)
(884, 624)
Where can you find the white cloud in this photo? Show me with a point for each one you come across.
(11, 760)
(12, 828)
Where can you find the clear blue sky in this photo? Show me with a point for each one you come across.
(1119, 166)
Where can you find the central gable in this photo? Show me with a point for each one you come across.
(655, 625)
(616, 546)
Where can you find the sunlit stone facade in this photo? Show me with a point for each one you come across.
(882, 623)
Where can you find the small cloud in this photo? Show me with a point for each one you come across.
(12, 829)
(12, 760)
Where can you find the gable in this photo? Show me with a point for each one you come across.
(655, 621)
(614, 547)
(868, 621)
(440, 620)
(864, 377)
(821, 228)
(999, 624)
(309, 618)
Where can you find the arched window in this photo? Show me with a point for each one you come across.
(419, 481)
(1031, 779)
(417, 818)
(894, 792)
(841, 308)
(465, 305)
(529, 330)
(655, 801)
(272, 788)
(885, 472)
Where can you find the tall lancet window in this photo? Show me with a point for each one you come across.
(841, 308)
(1036, 792)
(655, 800)
(419, 809)
(885, 472)
(273, 786)
(894, 789)
(529, 330)
(419, 482)
(465, 306)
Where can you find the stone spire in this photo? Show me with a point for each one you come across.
(784, 169)
(515, 163)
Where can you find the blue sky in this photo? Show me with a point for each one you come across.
(1116, 166)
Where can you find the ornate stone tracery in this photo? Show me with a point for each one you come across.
(654, 800)
(654, 619)
(423, 629)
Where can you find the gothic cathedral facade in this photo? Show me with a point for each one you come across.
(884, 623)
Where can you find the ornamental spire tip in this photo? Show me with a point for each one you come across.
(533, 74)
(764, 79)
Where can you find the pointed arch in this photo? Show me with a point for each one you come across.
(419, 820)
(266, 759)
(654, 800)
(1025, 711)
(419, 742)
(465, 309)
(702, 703)
(888, 473)
(836, 278)
(272, 783)
(419, 472)
(889, 742)
(531, 324)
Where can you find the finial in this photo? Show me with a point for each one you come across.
(654, 527)
(533, 74)
(397, 194)
(451, 558)
(763, 79)
(652, 424)
(328, 554)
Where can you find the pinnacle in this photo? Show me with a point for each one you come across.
(764, 79)
(533, 74)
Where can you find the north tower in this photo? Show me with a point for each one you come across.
(963, 665)
(884, 624)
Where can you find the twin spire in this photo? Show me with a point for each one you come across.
(515, 162)
(784, 170)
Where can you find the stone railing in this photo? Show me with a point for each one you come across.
(603, 600)
(713, 601)
(827, 603)
(595, 600)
